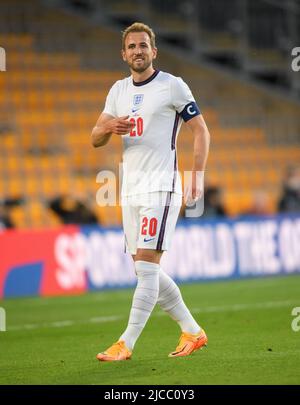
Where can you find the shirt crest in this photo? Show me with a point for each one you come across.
(138, 100)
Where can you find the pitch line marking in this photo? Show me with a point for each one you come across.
(113, 318)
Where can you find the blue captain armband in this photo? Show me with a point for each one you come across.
(190, 111)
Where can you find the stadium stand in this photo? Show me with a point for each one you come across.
(59, 70)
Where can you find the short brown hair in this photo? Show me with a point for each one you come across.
(139, 27)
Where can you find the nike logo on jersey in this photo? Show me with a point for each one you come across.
(135, 109)
(148, 240)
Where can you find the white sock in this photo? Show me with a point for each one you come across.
(170, 300)
(144, 300)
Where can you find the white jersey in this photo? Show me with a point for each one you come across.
(156, 106)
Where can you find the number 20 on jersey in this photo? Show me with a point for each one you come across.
(138, 129)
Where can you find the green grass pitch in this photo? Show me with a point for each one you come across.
(248, 323)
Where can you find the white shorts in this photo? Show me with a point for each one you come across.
(149, 220)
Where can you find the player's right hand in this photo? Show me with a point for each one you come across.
(120, 125)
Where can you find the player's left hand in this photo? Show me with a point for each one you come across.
(194, 189)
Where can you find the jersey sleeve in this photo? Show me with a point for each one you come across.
(183, 100)
(110, 103)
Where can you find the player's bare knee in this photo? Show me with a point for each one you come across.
(148, 255)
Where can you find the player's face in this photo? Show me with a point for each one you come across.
(138, 52)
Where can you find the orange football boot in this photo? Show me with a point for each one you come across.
(189, 343)
(118, 351)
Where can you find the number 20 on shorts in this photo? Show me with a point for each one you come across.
(149, 226)
(138, 128)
